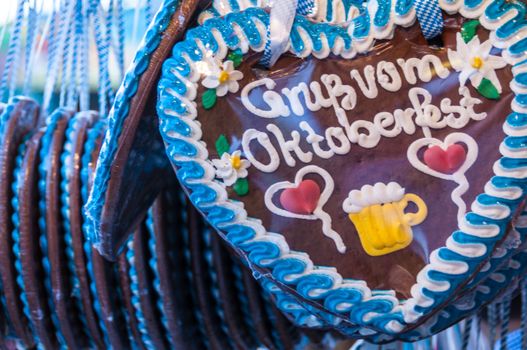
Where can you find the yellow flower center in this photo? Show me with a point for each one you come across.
(236, 162)
(224, 76)
(477, 62)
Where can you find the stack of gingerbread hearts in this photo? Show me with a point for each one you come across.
(372, 176)
(175, 285)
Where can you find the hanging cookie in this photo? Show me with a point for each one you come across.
(355, 118)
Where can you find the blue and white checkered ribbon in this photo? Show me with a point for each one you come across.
(280, 23)
(429, 17)
(305, 7)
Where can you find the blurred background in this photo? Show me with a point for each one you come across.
(135, 16)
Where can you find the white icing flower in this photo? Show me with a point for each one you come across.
(474, 62)
(223, 80)
(231, 167)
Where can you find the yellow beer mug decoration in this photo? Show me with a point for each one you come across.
(378, 213)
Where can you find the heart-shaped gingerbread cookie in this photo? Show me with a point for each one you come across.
(410, 136)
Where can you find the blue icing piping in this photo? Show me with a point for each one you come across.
(514, 25)
(237, 234)
(485, 199)
(497, 9)
(473, 3)
(519, 48)
(381, 306)
(517, 120)
(336, 297)
(285, 267)
(202, 196)
(175, 105)
(218, 215)
(182, 147)
(382, 15)
(248, 26)
(234, 5)
(506, 182)
(521, 79)
(513, 163)
(521, 99)
(402, 7)
(306, 284)
(188, 171)
(519, 142)
(258, 252)
(361, 26)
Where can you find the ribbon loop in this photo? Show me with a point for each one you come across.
(280, 23)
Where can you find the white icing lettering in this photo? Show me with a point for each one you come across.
(337, 140)
(314, 140)
(423, 66)
(388, 76)
(332, 93)
(369, 91)
(291, 146)
(277, 107)
(263, 140)
(332, 134)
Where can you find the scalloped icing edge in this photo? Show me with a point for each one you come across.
(266, 249)
(331, 11)
(493, 286)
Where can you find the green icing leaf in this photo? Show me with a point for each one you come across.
(468, 30)
(241, 187)
(208, 99)
(236, 57)
(222, 145)
(488, 90)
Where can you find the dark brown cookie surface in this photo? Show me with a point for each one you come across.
(30, 252)
(19, 118)
(142, 282)
(168, 220)
(75, 219)
(61, 289)
(216, 337)
(124, 283)
(139, 168)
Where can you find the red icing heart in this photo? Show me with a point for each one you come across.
(302, 199)
(445, 162)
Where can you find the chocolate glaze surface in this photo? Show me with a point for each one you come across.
(384, 163)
